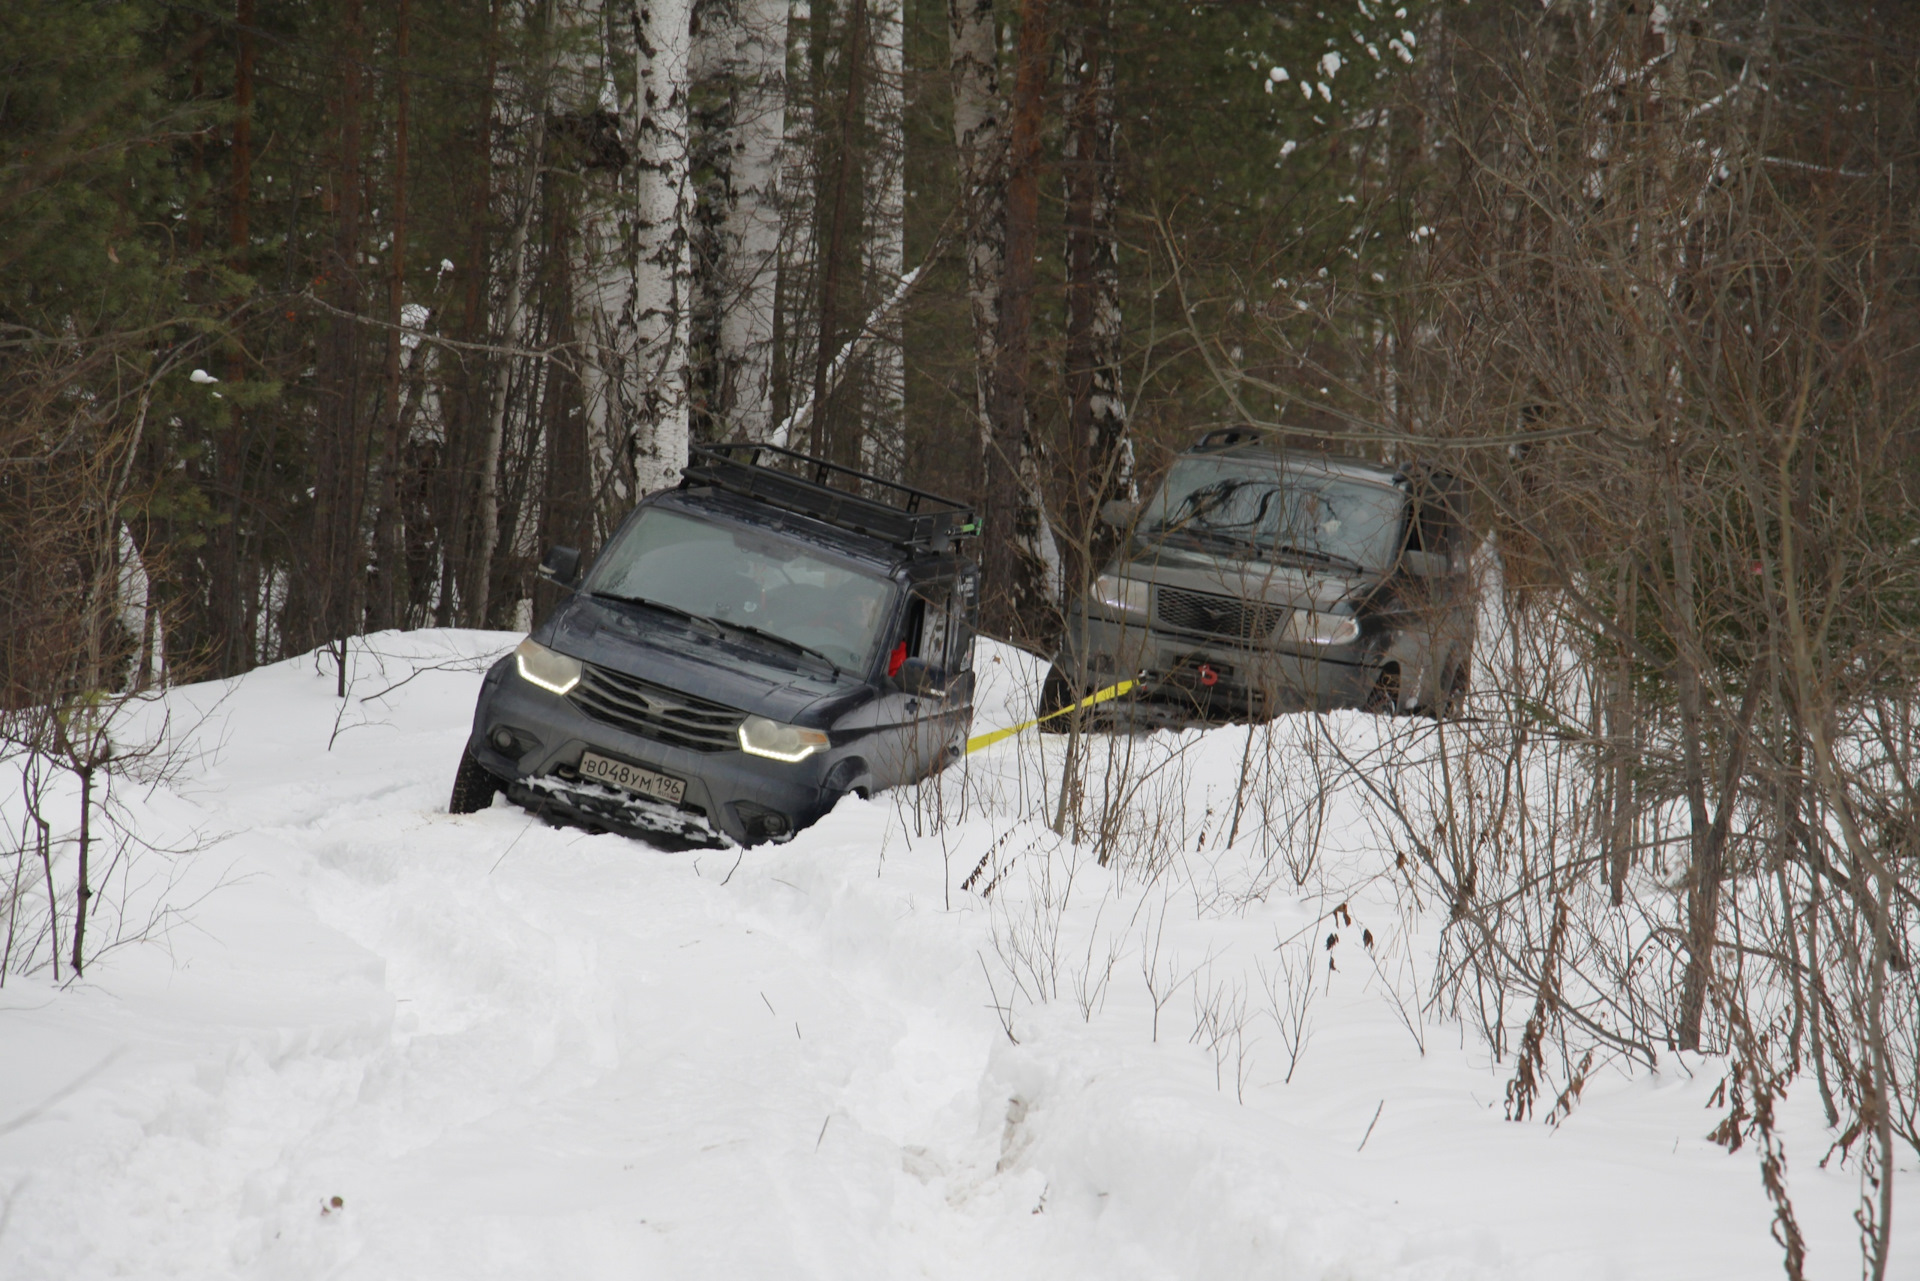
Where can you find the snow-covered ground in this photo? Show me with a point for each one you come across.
(925, 1038)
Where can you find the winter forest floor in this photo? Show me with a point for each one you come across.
(514, 1051)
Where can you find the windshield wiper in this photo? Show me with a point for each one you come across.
(663, 607)
(1168, 529)
(1206, 539)
(724, 624)
(763, 634)
(1316, 554)
(1217, 540)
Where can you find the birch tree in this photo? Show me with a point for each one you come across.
(883, 444)
(605, 65)
(974, 68)
(740, 61)
(653, 339)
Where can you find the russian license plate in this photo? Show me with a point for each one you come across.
(646, 782)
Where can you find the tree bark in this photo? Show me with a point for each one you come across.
(830, 437)
(974, 69)
(601, 113)
(883, 444)
(741, 54)
(82, 891)
(487, 500)
(1019, 566)
(1623, 737)
(566, 509)
(1099, 451)
(391, 602)
(457, 480)
(654, 330)
(232, 650)
(332, 580)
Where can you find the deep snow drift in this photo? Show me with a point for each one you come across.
(925, 1038)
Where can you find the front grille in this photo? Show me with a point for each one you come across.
(656, 712)
(1213, 615)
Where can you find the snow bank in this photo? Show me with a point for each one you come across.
(928, 1037)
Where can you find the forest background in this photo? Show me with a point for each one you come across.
(470, 275)
(324, 317)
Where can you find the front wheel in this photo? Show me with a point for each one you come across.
(473, 787)
(1384, 698)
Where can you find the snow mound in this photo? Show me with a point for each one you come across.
(928, 1037)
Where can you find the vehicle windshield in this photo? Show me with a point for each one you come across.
(1251, 509)
(749, 579)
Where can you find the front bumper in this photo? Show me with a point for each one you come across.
(730, 796)
(1183, 678)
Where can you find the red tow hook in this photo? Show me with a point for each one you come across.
(1207, 675)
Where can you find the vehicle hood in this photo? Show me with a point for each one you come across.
(1309, 587)
(734, 671)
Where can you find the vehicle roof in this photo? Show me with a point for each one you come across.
(874, 506)
(1256, 442)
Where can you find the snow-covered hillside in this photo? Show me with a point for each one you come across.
(925, 1038)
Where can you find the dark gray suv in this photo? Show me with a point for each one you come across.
(747, 648)
(1260, 580)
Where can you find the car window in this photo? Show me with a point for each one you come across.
(962, 619)
(930, 629)
(742, 575)
(1250, 507)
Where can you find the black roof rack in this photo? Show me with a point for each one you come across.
(894, 513)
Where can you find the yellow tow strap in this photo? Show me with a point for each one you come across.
(1115, 690)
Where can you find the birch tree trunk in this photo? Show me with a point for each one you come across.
(974, 69)
(602, 105)
(653, 341)
(794, 267)
(741, 56)
(883, 444)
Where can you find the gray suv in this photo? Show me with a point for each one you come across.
(747, 648)
(1260, 580)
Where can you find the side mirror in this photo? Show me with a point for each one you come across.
(1424, 564)
(561, 565)
(920, 678)
(1119, 513)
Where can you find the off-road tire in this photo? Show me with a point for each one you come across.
(473, 787)
(1384, 698)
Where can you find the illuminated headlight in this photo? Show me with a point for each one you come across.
(1122, 595)
(551, 671)
(1307, 627)
(762, 737)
